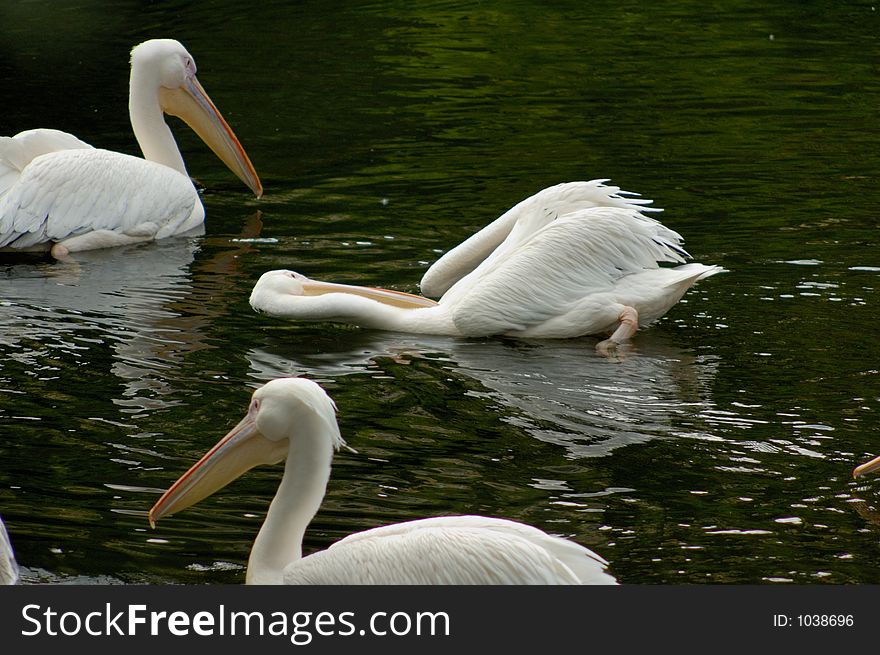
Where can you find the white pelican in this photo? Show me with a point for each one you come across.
(8, 565)
(579, 258)
(61, 193)
(867, 467)
(294, 418)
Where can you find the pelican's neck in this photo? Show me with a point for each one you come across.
(148, 121)
(371, 313)
(358, 310)
(298, 499)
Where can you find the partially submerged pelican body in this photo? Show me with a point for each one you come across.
(60, 193)
(293, 419)
(579, 258)
(8, 565)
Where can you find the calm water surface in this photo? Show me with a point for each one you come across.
(718, 449)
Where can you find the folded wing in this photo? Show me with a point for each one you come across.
(520, 221)
(554, 268)
(54, 186)
(452, 550)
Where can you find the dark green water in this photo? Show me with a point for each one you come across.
(719, 450)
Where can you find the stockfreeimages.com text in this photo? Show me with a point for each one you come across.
(301, 628)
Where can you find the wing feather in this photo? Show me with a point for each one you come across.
(69, 192)
(16, 152)
(452, 550)
(519, 222)
(582, 253)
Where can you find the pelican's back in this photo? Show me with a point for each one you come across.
(16, 152)
(655, 291)
(73, 191)
(575, 258)
(451, 550)
(520, 221)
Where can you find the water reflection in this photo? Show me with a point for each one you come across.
(145, 301)
(560, 392)
(42, 576)
(93, 350)
(117, 297)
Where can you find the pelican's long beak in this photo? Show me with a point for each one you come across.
(240, 450)
(385, 296)
(867, 467)
(190, 103)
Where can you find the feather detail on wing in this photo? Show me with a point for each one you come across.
(16, 152)
(553, 268)
(74, 191)
(519, 222)
(452, 550)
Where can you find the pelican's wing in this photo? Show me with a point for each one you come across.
(546, 274)
(452, 550)
(74, 191)
(18, 151)
(519, 222)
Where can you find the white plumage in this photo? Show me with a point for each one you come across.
(576, 259)
(8, 565)
(451, 550)
(294, 419)
(521, 221)
(59, 192)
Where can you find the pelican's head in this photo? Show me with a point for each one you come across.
(164, 67)
(280, 412)
(283, 282)
(867, 467)
(277, 293)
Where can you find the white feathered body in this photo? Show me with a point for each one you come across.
(454, 550)
(525, 218)
(572, 277)
(54, 187)
(561, 264)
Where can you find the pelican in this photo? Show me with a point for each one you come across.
(59, 193)
(8, 565)
(578, 258)
(867, 467)
(295, 419)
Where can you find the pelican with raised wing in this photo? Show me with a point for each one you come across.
(294, 419)
(60, 193)
(579, 258)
